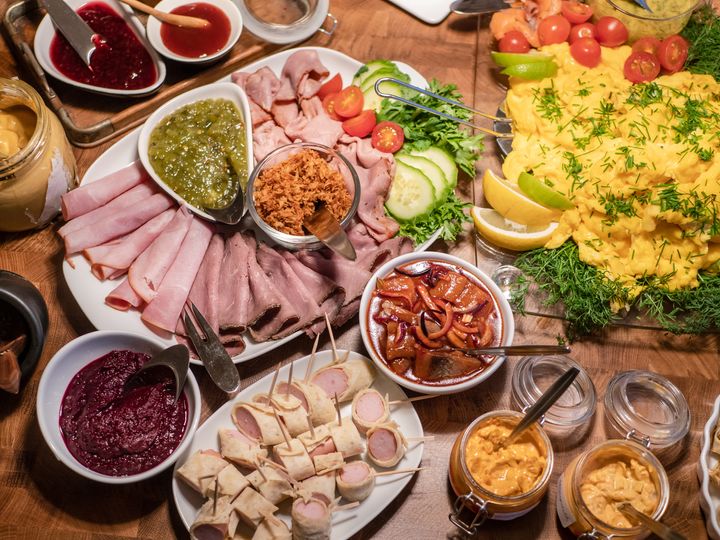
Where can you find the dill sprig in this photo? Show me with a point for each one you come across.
(703, 33)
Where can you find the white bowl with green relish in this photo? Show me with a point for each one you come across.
(198, 146)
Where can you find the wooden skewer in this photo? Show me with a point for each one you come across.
(289, 382)
(258, 467)
(274, 380)
(308, 370)
(413, 399)
(215, 494)
(312, 429)
(332, 339)
(420, 439)
(271, 463)
(399, 471)
(337, 408)
(346, 506)
(170, 18)
(282, 429)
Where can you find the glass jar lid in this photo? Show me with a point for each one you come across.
(647, 408)
(534, 374)
(285, 21)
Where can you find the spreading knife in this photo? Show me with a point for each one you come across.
(81, 37)
(327, 229)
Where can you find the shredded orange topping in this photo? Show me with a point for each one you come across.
(287, 193)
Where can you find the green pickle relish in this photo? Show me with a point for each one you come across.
(199, 151)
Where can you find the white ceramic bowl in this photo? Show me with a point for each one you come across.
(226, 90)
(66, 363)
(226, 6)
(46, 32)
(709, 493)
(508, 322)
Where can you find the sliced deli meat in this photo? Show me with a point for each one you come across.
(305, 72)
(212, 522)
(310, 519)
(355, 481)
(123, 297)
(369, 408)
(261, 87)
(233, 311)
(386, 445)
(344, 379)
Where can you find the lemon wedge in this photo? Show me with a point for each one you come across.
(508, 234)
(511, 203)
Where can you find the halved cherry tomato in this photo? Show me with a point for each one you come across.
(333, 86)
(648, 44)
(586, 51)
(514, 42)
(672, 53)
(349, 102)
(575, 12)
(641, 67)
(360, 126)
(584, 30)
(553, 29)
(611, 32)
(329, 105)
(388, 137)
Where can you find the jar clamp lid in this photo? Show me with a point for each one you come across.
(283, 22)
(648, 408)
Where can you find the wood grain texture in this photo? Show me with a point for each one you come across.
(40, 498)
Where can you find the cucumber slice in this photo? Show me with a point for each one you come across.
(365, 71)
(431, 170)
(442, 159)
(411, 194)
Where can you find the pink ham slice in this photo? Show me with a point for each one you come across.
(207, 531)
(285, 113)
(164, 310)
(149, 268)
(361, 151)
(370, 407)
(123, 297)
(121, 222)
(247, 425)
(326, 447)
(261, 87)
(332, 381)
(305, 72)
(119, 254)
(130, 198)
(266, 138)
(321, 287)
(257, 115)
(354, 472)
(322, 130)
(240, 78)
(282, 387)
(343, 272)
(311, 509)
(233, 311)
(95, 194)
(382, 444)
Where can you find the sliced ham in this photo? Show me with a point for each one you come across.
(310, 519)
(312, 107)
(343, 272)
(346, 312)
(355, 481)
(164, 310)
(344, 379)
(261, 87)
(375, 184)
(148, 270)
(233, 311)
(121, 222)
(212, 521)
(123, 297)
(266, 138)
(95, 194)
(119, 254)
(240, 78)
(386, 446)
(322, 130)
(369, 408)
(305, 72)
(285, 113)
(361, 151)
(257, 115)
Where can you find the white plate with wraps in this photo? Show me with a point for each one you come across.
(89, 292)
(709, 492)
(345, 523)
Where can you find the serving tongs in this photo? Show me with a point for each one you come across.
(406, 101)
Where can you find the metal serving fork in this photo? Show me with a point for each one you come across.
(215, 358)
(496, 119)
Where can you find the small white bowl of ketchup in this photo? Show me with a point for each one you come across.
(196, 45)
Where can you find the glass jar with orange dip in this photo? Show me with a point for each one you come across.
(494, 479)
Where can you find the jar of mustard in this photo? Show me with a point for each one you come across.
(36, 161)
(650, 413)
(495, 480)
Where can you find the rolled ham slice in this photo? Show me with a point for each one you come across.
(123, 297)
(310, 520)
(291, 412)
(273, 484)
(320, 443)
(328, 462)
(200, 470)
(213, 520)
(252, 507)
(369, 408)
(386, 445)
(347, 439)
(240, 449)
(164, 310)
(355, 481)
(95, 194)
(122, 221)
(319, 487)
(344, 378)
(229, 482)
(313, 399)
(295, 459)
(305, 71)
(272, 528)
(258, 423)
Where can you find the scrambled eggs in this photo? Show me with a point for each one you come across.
(641, 164)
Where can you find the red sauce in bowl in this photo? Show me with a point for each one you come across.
(120, 60)
(117, 430)
(197, 42)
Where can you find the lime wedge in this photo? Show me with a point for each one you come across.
(534, 71)
(511, 59)
(541, 193)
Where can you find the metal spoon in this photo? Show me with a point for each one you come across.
(232, 213)
(327, 229)
(660, 529)
(176, 359)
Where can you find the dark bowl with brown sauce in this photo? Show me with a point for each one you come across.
(420, 308)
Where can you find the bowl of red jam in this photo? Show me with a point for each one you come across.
(123, 64)
(103, 425)
(196, 45)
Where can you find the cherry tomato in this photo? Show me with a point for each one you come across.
(349, 102)
(553, 29)
(641, 67)
(611, 32)
(584, 30)
(388, 137)
(648, 44)
(672, 53)
(575, 12)
(333, 86)
(329, 106)
(514, 42)
(586, 51)
(360, 126)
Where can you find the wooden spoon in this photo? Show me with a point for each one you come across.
(170, 18)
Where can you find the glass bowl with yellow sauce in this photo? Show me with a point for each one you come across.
(667, 17)
(37, 165)
(494, 479)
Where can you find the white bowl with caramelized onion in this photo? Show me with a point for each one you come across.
(419, 308)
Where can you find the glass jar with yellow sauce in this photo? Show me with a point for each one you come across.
(651, 414)
(36, 161)
(494, 479)
(667, 17)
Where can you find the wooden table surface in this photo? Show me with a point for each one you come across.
(40, 498)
